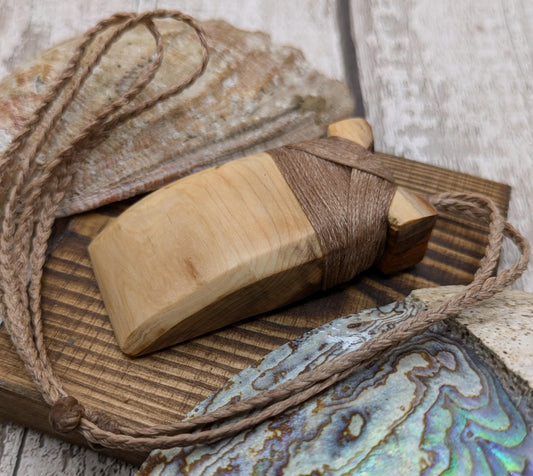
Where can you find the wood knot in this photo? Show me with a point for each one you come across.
(66, 414)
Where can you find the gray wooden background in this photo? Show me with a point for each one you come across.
(441, 81)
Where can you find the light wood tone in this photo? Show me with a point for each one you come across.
(225, 244)
(411, 221)
(10, 440)
(203, 252)
(411, 217)
(165, 385)
(449, 83)
(44, 455)
(429, 110)
(309, 25)
(355, 129)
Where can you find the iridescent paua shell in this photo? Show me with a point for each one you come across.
(254, 95)
(439, 405)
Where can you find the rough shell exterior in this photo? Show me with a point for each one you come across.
(441, 404)
(253, 96)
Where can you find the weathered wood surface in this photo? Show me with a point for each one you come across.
(28, 28)
(451, 84)
(447, 83)
(165, 385)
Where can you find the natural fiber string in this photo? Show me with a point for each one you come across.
(347, 209)
(274, 402)
(32, 193)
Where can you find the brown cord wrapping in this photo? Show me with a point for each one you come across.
(30, 195)
(346, 193)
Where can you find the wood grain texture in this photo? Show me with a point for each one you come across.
(28, 28)
(43, 455)
(311, 26)
(411, 218)
(451, 83)
(11, 439)
(419, 99)
(201, 253)
(166, 385)
(228, 243)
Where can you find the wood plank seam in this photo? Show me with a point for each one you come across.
(19, 452)
(349, 55)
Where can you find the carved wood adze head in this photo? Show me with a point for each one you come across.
(224, 244)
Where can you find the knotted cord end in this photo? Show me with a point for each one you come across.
(66, 414)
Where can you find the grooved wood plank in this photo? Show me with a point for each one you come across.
(417, 94)
(451, 83)
(28, 28)
(46, 456)
(166, 385)
(11, 439)
(308, 25)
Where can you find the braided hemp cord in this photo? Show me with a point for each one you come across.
(31, 192)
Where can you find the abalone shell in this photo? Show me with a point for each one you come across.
(441, 404)
(253, 96)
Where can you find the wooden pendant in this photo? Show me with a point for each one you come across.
(224, 244)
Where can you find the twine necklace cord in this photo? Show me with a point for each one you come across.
(31, 192)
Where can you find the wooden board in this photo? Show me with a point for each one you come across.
(449, 83)
(412, 88)
(166, 385)
(308, 25)
(30, 28)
